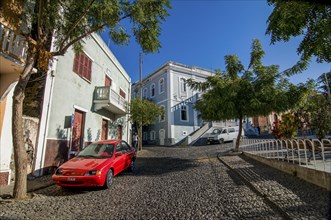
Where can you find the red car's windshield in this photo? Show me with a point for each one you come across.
(97, 150)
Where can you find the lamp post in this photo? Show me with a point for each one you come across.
(141, 98)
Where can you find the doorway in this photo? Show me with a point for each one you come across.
(78, 131)
(104, 129)
(162, 136)
(119, 132)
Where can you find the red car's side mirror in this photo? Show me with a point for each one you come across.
(118, 154)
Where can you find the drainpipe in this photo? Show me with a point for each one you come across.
(44, 119)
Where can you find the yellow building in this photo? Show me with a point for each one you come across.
(12, 60)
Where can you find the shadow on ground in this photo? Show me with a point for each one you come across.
(153, 166)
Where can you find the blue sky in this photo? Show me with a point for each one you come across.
(201, 33)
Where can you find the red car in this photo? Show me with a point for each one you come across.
(96, 165)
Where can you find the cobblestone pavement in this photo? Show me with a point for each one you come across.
(179, 183)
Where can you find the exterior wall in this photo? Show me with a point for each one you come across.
(172, 99)
(11, 65)
(6, 138)
(72, 92)
(31, 126)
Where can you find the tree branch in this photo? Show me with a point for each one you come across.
(76, 23)
(40, 11)
(64, 49)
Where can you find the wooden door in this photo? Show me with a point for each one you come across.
(119, 132)
(104, 134)
(78, 131)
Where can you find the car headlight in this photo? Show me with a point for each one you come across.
(93, 173)
(58, 172)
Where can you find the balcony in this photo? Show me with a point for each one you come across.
(13, 49)
(108, 99)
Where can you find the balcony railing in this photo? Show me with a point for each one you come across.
(105, 97)
(12, 44)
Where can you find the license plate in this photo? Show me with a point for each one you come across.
(71, 179)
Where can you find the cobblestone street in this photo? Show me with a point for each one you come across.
(182, 183)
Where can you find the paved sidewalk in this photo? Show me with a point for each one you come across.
(296, 198)
(33, 184)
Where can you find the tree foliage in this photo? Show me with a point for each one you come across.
(66, 24)
(238, 92)
(320, 115)
(307, 18)
(288, 126)
(142, 113)
(324, 81)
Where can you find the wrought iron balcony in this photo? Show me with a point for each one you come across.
(106, 98)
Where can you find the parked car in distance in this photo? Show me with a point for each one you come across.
(221, 135)
(96, 165)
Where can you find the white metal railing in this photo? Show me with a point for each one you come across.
(311, 153)
(12, 44)
(109, 95)
(117, 98)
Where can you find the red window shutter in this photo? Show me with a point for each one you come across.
(89, 69)
(83, 66)
(107, 81)
(122, 93)
(79, 65)
(76, 64)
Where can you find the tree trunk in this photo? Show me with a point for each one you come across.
(140, 140)
(239, 134)
(20, 155)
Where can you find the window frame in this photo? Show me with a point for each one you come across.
(153, 135)
(122, 92)
(144, 136)
(145, 93)
(82, 66)
(161, 85)
(186, 110)
(152, 90)
(182, 85)
(160, 117)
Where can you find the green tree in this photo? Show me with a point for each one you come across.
(67, 23)
(324, 81)
(236, 92)
(307, 18)
(319, 111)
(289, 125)
(143, 113)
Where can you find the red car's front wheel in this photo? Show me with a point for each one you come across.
(109, 179)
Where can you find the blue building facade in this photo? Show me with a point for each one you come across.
(167, 87)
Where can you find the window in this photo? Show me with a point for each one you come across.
(162, 117)
(145, 93)
(107, 80)
(231, 130)
(122, 93)
(83, 66)
(152, 135)
(153, 90)
(183, 113)
(144, 136)
(125, 147)
(182, 85)
(161, 85)
(119, 147)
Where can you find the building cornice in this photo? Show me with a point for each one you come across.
(111, 56)
(178, 67)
